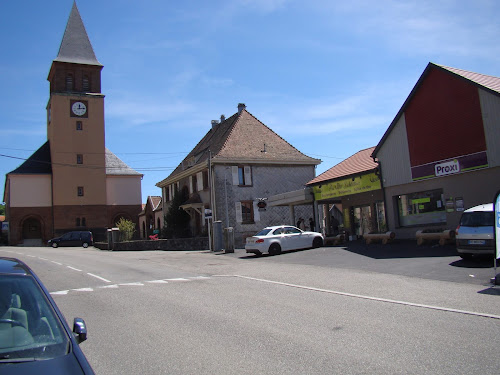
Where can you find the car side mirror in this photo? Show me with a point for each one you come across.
(80, 330)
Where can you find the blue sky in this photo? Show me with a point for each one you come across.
(327, 76)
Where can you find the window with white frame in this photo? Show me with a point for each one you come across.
(242, 175)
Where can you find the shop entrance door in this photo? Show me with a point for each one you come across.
(363, 220)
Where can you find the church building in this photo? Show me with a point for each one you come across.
(72, 182)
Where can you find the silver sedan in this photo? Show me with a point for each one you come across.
(275, 239)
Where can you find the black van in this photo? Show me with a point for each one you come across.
(76, 238)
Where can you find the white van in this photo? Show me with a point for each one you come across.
(475, 231)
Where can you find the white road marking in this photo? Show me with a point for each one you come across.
(138, 283)
(439, 308)
(74, 269)
(61, 292)
(59, 264)
(83, 290)
(98, 277)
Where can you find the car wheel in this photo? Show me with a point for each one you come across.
(274, 249)
(317, 242)
(465, 256)
(54, 244)
(85, 245)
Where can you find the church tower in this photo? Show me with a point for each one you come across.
(72, 182)
(75, 130)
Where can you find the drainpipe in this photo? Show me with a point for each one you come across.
(383, 190)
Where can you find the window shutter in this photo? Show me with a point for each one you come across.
(239, 215)
(199, 181)
(236, 180)
(248, 175)
(256, 212)
(190, 184)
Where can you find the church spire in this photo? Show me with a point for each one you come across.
(75, 46)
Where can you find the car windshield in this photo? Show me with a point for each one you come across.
(478, 219)
(263, 232)
(29, 328)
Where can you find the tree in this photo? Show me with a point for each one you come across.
(2, 209)
(127, 229)
(176, 220)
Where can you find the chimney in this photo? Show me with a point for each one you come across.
(214, 123)
(241, 107)
(222, 118)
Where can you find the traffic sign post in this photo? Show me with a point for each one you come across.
(496, 235)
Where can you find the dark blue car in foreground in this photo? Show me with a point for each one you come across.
(34, 336)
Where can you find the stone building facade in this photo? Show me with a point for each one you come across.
(232, 171)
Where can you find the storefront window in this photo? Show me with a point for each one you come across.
(362, 220)
(381, 222)
(421, 208)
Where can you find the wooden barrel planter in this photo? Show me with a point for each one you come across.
(442, 236)
(335, 240)
(385, 238)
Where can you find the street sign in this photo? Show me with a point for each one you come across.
(208, 213)
(497, 224)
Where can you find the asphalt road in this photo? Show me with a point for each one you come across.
(205, 313)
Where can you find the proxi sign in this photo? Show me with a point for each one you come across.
(450, 167)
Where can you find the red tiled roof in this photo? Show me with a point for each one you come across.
(243, 137)
(357, 163)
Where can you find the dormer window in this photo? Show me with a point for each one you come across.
(86, 83)
(69, 82)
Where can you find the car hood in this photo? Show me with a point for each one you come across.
(67, 364)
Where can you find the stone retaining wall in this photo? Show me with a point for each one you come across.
(179, 244)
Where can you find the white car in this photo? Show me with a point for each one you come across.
(475, 232)
(275, 239)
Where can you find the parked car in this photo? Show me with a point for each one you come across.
(275, 239)
(34, 336)
(75, 238)
(474, 235)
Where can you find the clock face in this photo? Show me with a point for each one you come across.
(79, 108)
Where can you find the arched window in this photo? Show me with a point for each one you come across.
(69, 82)
(86, 83)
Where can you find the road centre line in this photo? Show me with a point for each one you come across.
(430, 307)
(74, 269)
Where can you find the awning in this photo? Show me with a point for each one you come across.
(292, 198)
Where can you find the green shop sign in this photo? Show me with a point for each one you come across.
(349, 186)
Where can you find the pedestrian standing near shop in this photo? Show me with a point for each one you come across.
(311, 224)
(301, 224)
